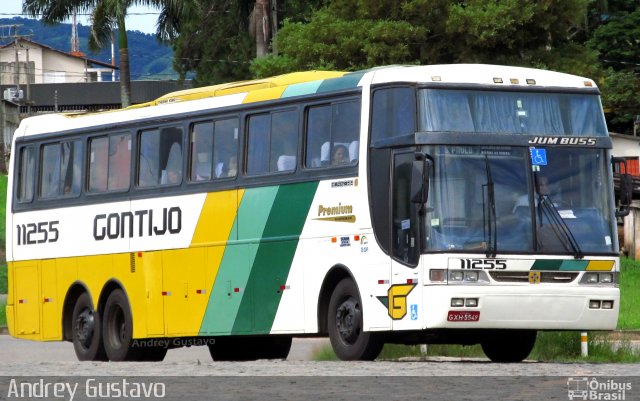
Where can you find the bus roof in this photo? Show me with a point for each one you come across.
(306, 83)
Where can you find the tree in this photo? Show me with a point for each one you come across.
(356, 34)
(217, 44)
(107, 17)
(617, 42)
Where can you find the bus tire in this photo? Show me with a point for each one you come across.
(117, 329)
(349, 341)
(86, 331)
(509, 345)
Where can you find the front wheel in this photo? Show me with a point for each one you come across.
(349, 341)
(117, 330)
(509, 345)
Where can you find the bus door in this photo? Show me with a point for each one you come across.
(405, 295)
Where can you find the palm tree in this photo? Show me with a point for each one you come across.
(108, 16)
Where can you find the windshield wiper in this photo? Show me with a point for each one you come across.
(547, 208)
(489, 224)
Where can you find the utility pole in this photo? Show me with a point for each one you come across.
(15, 37)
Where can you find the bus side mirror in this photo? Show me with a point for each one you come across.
(626, 187)
(626, 194)
(420, 179)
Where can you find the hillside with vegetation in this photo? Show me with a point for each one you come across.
(149, 58)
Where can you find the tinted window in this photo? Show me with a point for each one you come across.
(110, 163)
(393, 114)
(333, 134)
(214, 150)
(160, 158)
(26, 174)
(272, 142)
(60, 169)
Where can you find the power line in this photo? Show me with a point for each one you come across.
(83, 15)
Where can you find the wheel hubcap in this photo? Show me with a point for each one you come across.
(84, 327)
(348, 320)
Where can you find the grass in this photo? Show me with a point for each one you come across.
(629, 295)
(3, 263)
(3, 197)
(3, 314)
(3, 278)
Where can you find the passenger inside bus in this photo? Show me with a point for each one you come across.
(340, 155)
(174, 165)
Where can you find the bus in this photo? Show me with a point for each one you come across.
(463, 204)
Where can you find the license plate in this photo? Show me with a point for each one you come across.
(460, 316)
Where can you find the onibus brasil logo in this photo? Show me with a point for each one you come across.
(584, 388)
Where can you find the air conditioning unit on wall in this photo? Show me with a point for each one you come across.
(13, 94)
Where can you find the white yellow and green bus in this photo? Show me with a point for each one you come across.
(466, 204)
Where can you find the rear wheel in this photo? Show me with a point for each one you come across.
(87, 331)
(117, 330)
(349, 341)
(509, 345)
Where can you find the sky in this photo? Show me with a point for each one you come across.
(142, 23)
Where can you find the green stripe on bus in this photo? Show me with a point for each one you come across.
(546, 264)
(346, 82)
(230, 286)
(305, 88)
(559, 264)
(273, 258)
(574, 265)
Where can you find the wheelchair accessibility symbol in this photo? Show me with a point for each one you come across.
(538, 157)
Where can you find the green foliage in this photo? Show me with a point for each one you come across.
(216, 51)
(3, 314)
(349, 35)
(621, 99)
(618, 41)
(3, 197)
(3, 278)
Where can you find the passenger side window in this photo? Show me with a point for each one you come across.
(272, 142)
(160, 157)
(214, 150)
(333, 132)
(110, 163)
(26, 174)
(60, 170)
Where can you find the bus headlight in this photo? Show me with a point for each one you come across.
(468, 277)
(599, 278)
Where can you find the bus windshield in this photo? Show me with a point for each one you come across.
(491, 198)
(447, 110)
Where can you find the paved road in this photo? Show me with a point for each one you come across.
(189, 374)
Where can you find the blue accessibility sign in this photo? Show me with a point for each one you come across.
(538, 156)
